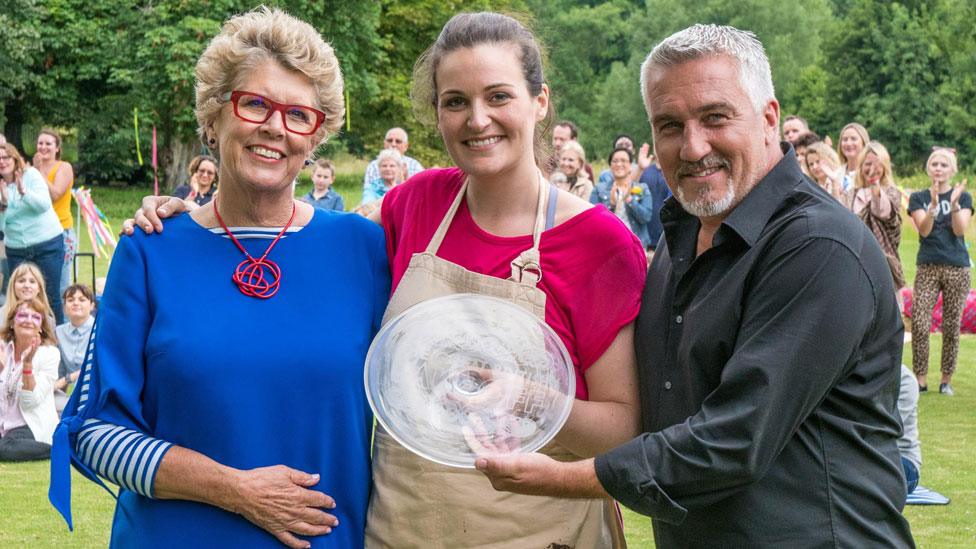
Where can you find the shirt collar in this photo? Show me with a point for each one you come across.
(750, 216)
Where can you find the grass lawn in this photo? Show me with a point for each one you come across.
(947, 425)
(948, 429)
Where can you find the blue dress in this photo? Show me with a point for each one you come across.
(180, 356)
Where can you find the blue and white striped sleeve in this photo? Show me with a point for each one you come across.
(103, 429)
(123, 456)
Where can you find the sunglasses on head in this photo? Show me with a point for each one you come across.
(31, 317)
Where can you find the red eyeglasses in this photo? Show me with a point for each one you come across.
(257, 109)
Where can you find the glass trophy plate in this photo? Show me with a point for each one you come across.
(459, 376)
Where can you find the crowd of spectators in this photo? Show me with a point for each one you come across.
(35, 202)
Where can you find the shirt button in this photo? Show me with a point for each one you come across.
(667, 385)
(679, 319)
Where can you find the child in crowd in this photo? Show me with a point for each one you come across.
(322, 196)
(72, 336)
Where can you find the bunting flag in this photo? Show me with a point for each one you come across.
(135, 123)
(99, 230)
(155, 164)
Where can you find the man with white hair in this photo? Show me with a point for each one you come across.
(768, 342)
(396, 138)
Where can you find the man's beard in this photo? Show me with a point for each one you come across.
(701, 206)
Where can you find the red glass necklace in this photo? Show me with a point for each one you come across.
(256, 277)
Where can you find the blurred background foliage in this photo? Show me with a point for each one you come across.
(905, 69)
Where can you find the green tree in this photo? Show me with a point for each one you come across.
(19, 47)
(886, 67)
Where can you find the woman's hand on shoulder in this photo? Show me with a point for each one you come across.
(154, 209)
(280, 500)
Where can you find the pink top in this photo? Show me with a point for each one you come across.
(593, 266)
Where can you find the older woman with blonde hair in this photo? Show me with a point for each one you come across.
(877, 201)
(243, 433)
(29, 360)
(853, 138)
(572, 162)
(824, 168)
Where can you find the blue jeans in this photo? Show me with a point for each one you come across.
(911, 474)
(49, 258)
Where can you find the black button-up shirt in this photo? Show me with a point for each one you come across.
(769, 375)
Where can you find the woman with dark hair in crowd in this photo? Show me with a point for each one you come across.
(478, 228)
(200, 189)
(628, 198)
(28, 367)
(31, 228)
(60, 178)
(853, 138)
(941, 213)
(242, 433)
(877, 201)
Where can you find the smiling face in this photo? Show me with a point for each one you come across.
(872, 169)
(205, 174)
(485, 112)
(27, 322)
(939, 169)
(26, 287)
(389, 170)
(620, 165)
(264, 157)
(851, 144)
(47, 147)
(709, 140)
(569, 162)
(6, 165)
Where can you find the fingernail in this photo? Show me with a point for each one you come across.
(315, 477)
(480, 464)
(163, 211)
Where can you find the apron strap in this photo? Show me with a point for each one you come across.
(526, 268)
(435, 241)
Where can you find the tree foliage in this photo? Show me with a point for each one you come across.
(907, 69)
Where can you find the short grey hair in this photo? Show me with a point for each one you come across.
(251, 38)
(388, 154)
(698, 41)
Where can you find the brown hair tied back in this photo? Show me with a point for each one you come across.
(468, 30)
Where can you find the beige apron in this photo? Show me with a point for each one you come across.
(419, 503)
